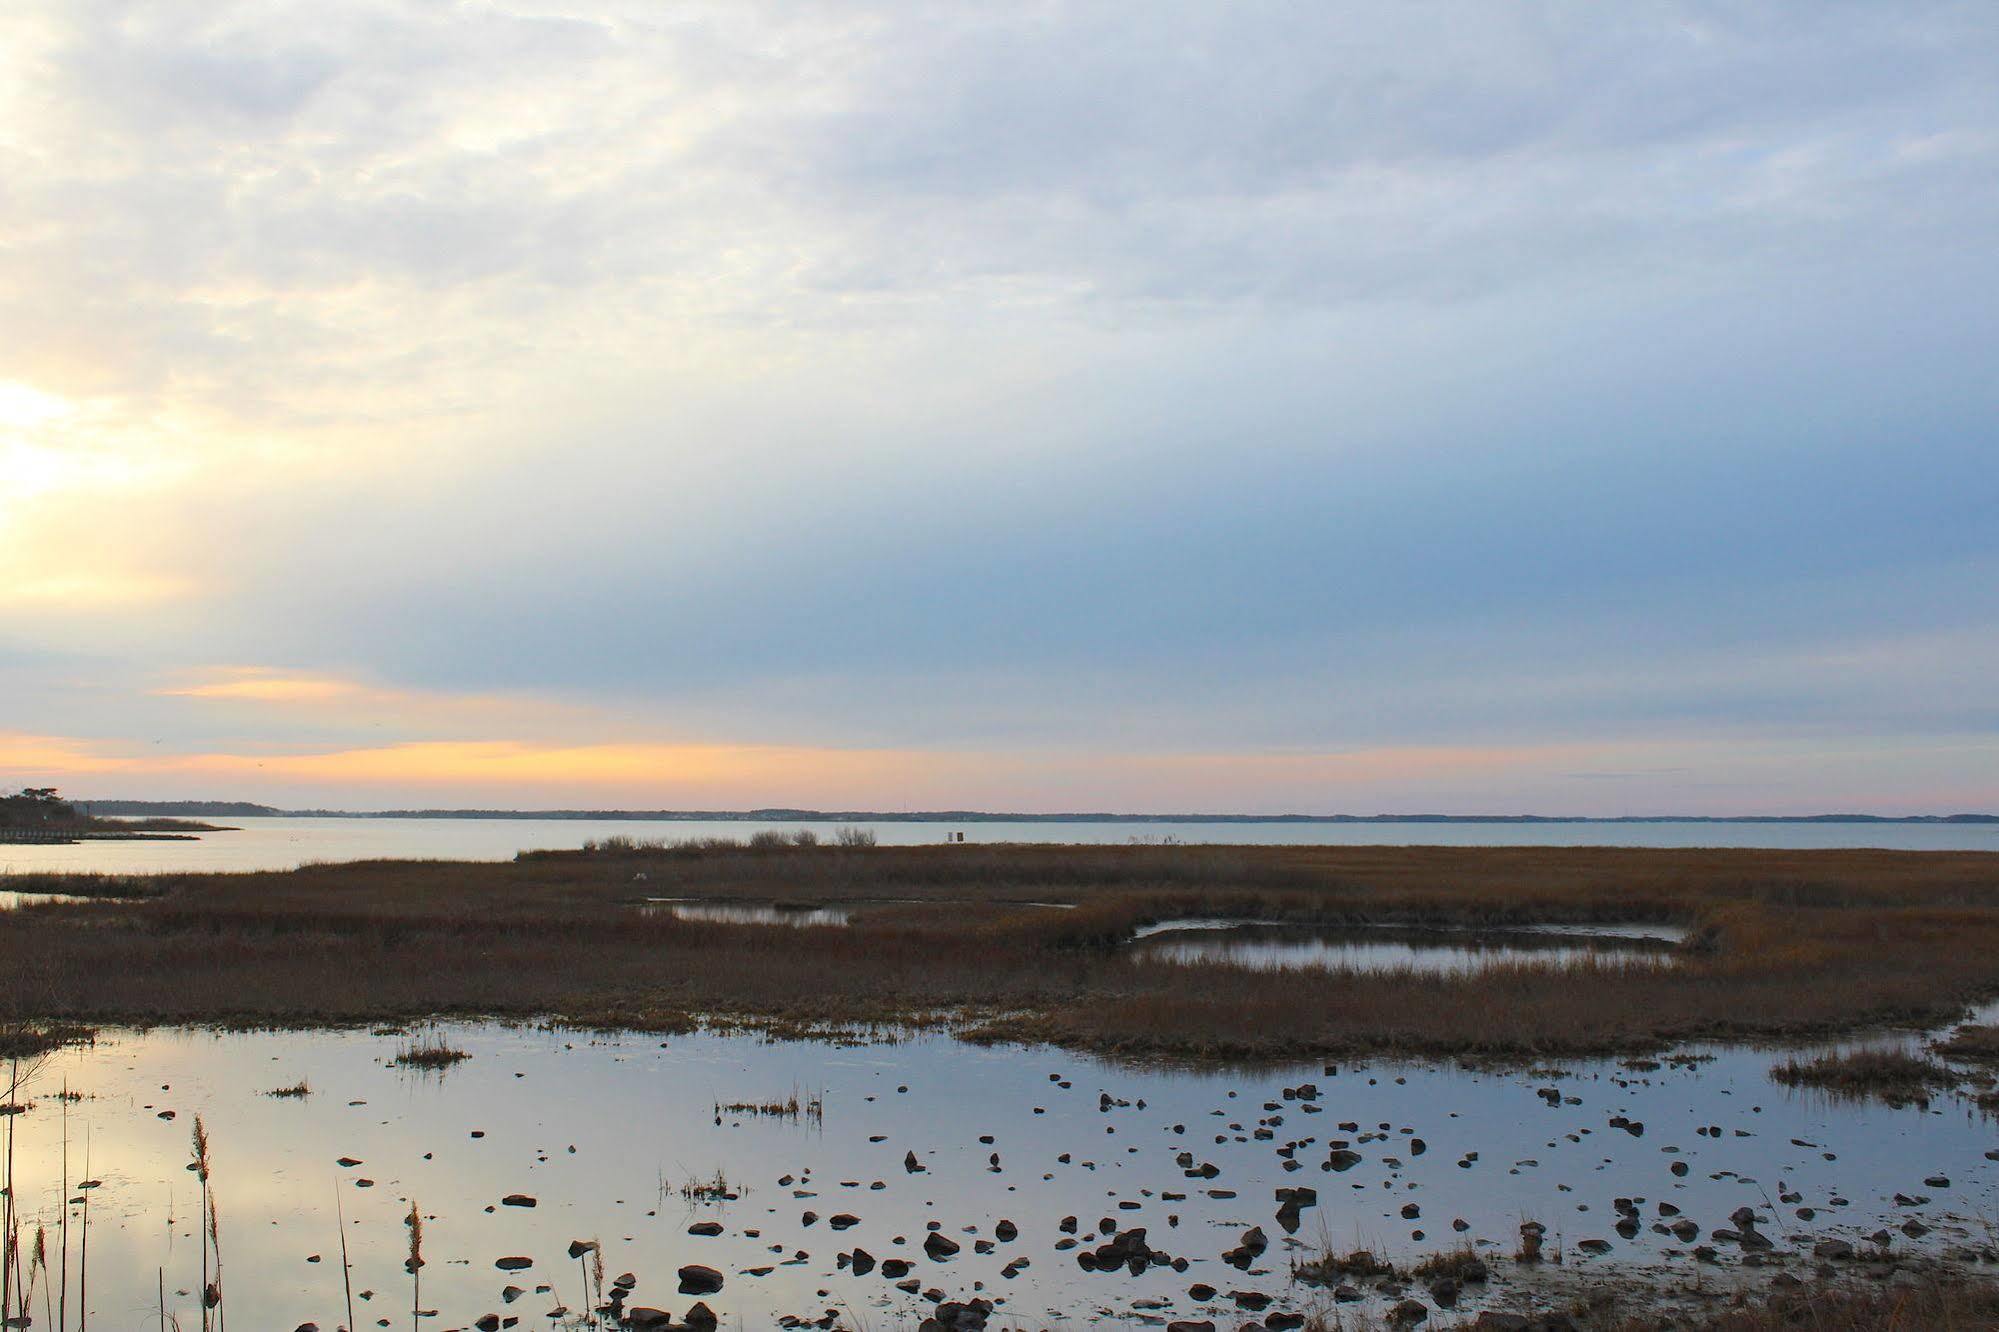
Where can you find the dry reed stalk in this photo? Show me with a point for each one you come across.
(346, 1267)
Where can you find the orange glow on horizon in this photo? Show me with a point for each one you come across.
(269, 689)
(660, 774)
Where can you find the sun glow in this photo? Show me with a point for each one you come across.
(24, 407)
(268, 688)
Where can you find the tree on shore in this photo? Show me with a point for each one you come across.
(36, 807)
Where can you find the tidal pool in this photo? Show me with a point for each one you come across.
(608, 1134)
(1273, 945)
(738, 913)
(12, 901)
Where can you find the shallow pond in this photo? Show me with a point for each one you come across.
(1270, 946)
(739, 913)
(11, 901)
(604, 1134)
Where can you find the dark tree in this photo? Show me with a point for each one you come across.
(35, 807)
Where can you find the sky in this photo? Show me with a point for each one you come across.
(1265, 407)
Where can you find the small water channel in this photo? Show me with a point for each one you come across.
(1274, 945)
(13, 901)
(743, 913)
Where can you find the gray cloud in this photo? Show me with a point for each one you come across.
(1121, 374)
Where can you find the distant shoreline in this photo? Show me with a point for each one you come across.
(236, 809)
(72, 836)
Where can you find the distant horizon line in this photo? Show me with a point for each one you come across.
(250, 809)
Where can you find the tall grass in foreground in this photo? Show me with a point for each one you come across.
(413, 1264)
(12, 1110)
(24, 1255)
(346, 1264)
(212, 1315)
(83, 1248)
(35, 1261)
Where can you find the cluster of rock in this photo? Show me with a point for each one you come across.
(1392, 1295)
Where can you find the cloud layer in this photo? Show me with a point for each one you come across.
(1117, 405)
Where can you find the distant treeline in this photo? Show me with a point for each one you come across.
(235, 809)
(246, 810)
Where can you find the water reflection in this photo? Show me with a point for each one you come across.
(612, 1139)
(11, 901)
(283, 843)
(1272, 945)
(739, 913)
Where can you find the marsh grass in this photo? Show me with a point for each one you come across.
(33, 1040)
(428, 1050)
(297, 1090)
(1971, 1044)
(1893, 1075)
(414, 1262)
(1461, 1263)
(716, 1188)
(1958, 1304)
(1784, 944)
(85, 884)
(1330, 1268)
(200, 1163)
(798, 1107)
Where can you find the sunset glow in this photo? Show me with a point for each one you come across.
(784, 406)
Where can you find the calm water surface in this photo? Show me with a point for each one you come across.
(286, 843)
(10, 901)
(603, 1133)
(735, 913)
(1268, 946)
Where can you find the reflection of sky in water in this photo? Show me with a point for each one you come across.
(10, 901)
(734, 913)
(1651, 930)
(595, 1128)
(1268, 946)
(282, 843)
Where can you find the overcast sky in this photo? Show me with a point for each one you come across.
(1562, 408)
